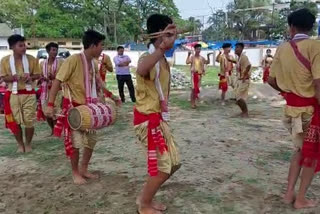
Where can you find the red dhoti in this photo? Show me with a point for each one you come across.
(311, 144)
(196, 77)
(266, 73)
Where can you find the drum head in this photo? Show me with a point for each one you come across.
(74, 119)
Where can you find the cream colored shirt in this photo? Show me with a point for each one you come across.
(147, 97)
(6, 70)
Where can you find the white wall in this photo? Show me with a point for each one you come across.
(4, 42)
(255, 55)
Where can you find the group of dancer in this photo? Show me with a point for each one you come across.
(239, 80)
(294, 72)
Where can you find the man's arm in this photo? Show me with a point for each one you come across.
(246, 72)
(54, 90)
(273, 83)
(218, 57)
(8, 79)
(316, 83)
(108, 64)
(149, 61)
(189, 58)
(207, 61)
(231, 60)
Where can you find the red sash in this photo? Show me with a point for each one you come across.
(63, 125)
(40, 114)
(223, 83)
(266, 73)
(10, 123)
(155, 138)
(311, 144)
(102, 74)
(196, 84)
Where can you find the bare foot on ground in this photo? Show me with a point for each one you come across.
(90, 175)
(148, 210)
(28, 148)
(304, 203)
(78, 179)
(155, 205)
(289, 197)
(20, 149)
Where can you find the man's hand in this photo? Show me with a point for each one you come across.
(49, 112)
(26, 78)
(51, 76)
(169, 37)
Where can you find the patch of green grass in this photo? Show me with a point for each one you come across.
(252, 181)
(282, 155)
(181, 103)
(202, 197)
(261, 162)
(209, 79)
(227, 210)
(9, 150)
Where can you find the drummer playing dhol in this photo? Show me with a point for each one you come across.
(73, 74)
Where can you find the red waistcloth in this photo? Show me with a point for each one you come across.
(40, 114)
(223, 83)
(63, 125)
(102, 74)
(196, 84)
(266, 73)
(155, 138)
(10, 123)
(311, 143)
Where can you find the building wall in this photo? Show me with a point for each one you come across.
(63, 43)
(255, 55)
(4, 43)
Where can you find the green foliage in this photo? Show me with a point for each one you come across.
(119, 20)
(260, 23)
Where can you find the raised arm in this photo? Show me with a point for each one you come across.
(207, 61)
(189, 58)
(148, 62)
(218, 57)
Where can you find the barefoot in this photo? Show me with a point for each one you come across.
(223, 103)
(155, 205)
(304, 203)
(90, 175)
(158, 206)
(244, 115)
(20, 149)
(148, 210)
(289, 198)
(236, 115)
(193, 106)
(79, 180)
(28, 148)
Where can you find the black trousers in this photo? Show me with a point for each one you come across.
(128, 80)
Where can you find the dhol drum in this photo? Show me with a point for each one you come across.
(92, 116)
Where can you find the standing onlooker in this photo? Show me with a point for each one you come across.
(123, 74)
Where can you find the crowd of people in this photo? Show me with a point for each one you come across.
(81, 80)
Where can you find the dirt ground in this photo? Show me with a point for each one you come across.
(230, 165)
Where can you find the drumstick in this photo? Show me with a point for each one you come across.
(161, 33)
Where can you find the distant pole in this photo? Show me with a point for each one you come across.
(115, 27)
(273, 6)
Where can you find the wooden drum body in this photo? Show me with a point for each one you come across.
(92, 116)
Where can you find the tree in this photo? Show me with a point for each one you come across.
(120, 20)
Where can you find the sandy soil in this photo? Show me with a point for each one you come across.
(230, 165)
